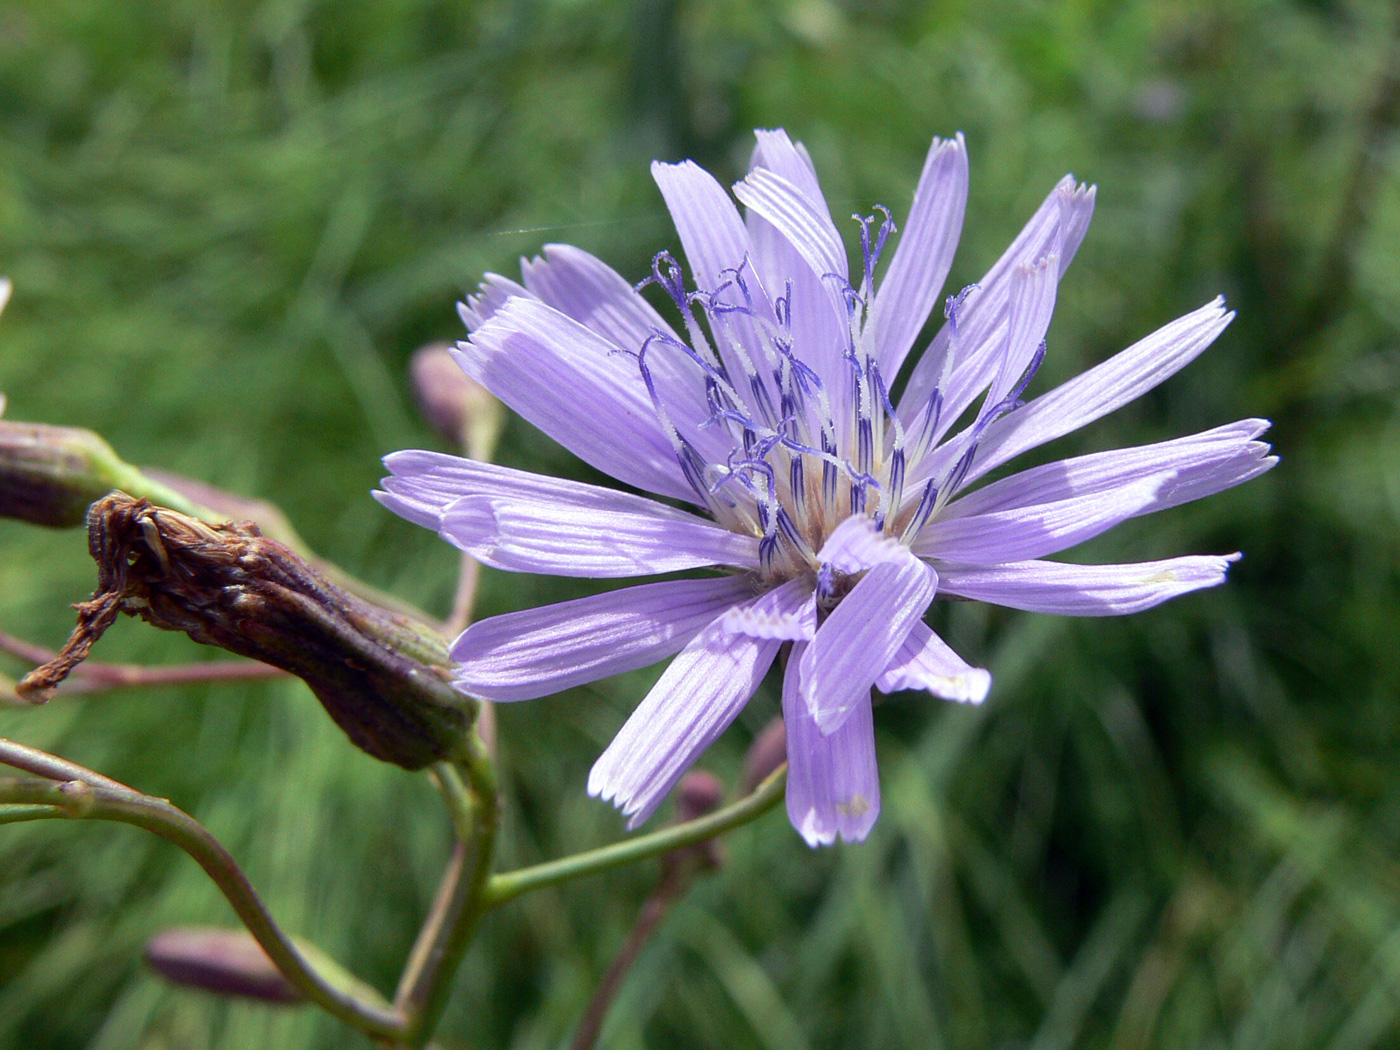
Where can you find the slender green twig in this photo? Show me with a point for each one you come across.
(51, 767)
(461, 900)
(17, 813)
(328, 986)
(677, 873)
(509, 885)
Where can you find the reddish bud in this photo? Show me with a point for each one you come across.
(227, 962)
(457, 407)
(767, 752)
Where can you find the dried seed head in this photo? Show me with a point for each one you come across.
(383, 679)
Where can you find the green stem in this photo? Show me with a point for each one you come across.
(461, 898)
(43, 764)
(510, 885)
(17, 813)
(334, 990)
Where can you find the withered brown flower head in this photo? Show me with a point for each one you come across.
(383, 678)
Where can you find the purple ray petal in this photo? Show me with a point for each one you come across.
(1122, 378)
(1085, 590)
(925, 661)
(594, 294)
(807, 227)
(780, 155)
(818, 323)
(922, 256)
(862, 635)
(805, 222)
(1204, 463)
(635, 537)
(856, 545)
(490, 297)
(1058, 226)
(522, 655)
(833, 785)
(424, 484)
(582, 286)
(1032, 532)
(716, 240)
(1032, 302)
(692, 703)
(576, 388)
(788, 612)
(712, 233)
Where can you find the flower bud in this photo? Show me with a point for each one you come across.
(767, 752)
(229, 962)
(383, 679)
(458, 407)
(699, 793)
(49, 475)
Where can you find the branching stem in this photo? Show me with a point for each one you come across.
(510, 885)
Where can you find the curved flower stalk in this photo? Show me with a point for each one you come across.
(833, 514)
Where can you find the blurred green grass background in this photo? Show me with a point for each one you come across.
(229, 224)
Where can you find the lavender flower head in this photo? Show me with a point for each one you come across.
(833, 515)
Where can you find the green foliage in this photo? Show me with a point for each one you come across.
(229, 224)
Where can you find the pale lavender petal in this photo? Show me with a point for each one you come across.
(535, 652)
(862, 635)
(1033, 532)
(416, 510)
(424, 484)
(595, 295)
(922, 256)
(635, 537)
(1032, 302)
(716, 240)
(1084, 590)
(1058, 226)
(1097, 392)
(1204, 464)
(818, 323)
(576, 388)
(712, 233)
(925, 661)
(788, 612)
(778, 153)
(833, 785)
(693, 702)
(856, 545)
(805, 222)
(807, 227)
(490, 297)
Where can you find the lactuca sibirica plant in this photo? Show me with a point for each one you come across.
(833, 514)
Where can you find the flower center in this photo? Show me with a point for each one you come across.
(796, 418)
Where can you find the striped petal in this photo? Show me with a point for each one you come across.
(833, 785)
(535, 652)
(1085, 590)
(693, 702)
(574, 386)
(923, 255)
